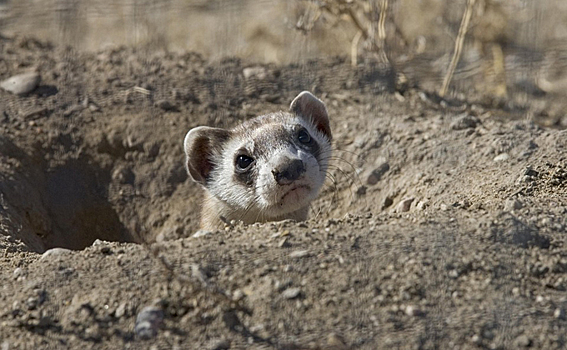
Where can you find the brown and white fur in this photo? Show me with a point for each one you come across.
(268, 168)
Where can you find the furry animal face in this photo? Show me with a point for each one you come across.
(267, 167)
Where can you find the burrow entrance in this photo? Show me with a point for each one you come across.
(62, 205)
(76, 201)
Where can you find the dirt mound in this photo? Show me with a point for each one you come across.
(443, 224)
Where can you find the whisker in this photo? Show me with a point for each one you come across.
(346, 151)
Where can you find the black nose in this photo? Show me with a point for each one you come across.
(289, 171)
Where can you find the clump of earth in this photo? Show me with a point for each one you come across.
(443, 223)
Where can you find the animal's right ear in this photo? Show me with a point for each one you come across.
(200, 145)
(308, 106)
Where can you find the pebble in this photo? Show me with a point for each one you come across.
(502, 157)
(361, 190)
(99, 242)
(335, 342)
(166, 105)
(512, 204)
(476, 339)
(124, 175)
(376, 174)
(559, 313)
(256, 72)
(291, 293)
(219, 344)
(283, 243)
(523, 341)
(148, 322)
(201, 233)
(21, 84)
(387, 202)
(299, 254)
(120, 310)
(413, 311)
(282, 285)
(18, 272)
(464, 122)
(422, 205)
(54, 252)
(531, 172)
(404, 205)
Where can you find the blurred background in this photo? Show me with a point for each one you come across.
(513, 53)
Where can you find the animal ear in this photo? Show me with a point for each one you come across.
(308, 106)
(201, 144)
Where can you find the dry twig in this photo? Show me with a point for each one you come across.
(458, 47)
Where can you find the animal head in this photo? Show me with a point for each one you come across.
(274, 164)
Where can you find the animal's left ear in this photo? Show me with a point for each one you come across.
(310, 107)
(201, 145)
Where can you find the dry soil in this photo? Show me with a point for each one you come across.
(443, 224)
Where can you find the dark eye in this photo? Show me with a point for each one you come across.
(303, 136)
(243, 162)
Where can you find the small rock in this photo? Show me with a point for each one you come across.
(198, 273)
(523, 341)
(531, 172)
(283, 243)
(464, 122)
(94, 108)
(387, 203)
(120, 310)
(219, 344)
(148, 322)
(281, 285)
(413, 311)
(559, 313)
(21, 84)
(360, 141)
(454, 274)
(361, 190)
(55, 252)
(502, 157)
(476, 339)
(404, 205)
(32, 303)
(99, 242)
(166, 105)
(231, 320)
(291, 293)
(256, 72)
(422, 205)
(151, 149)
(201, 233)
(123, 174)
(106, 250)
(376, 174)
(299, 254)
(512, 204)
(18, 272)
(335, 342)
(238, 295)
(93, 333)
